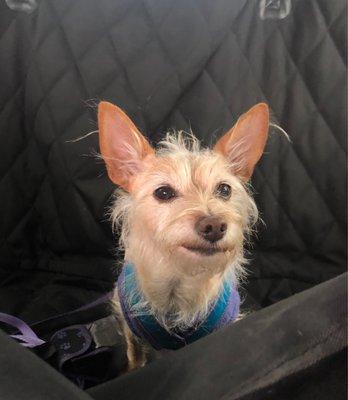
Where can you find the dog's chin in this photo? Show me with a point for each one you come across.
(202, 260)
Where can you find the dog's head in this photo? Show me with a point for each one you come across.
(182, 207)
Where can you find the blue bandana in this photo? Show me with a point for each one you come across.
(144, 325)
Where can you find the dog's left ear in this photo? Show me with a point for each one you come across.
(244, 143)
(122, 146)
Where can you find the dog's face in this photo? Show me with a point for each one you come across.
(186, 208)
(189, 209)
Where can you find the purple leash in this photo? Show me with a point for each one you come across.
(27, 336)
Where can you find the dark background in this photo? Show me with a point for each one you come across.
(185, 64)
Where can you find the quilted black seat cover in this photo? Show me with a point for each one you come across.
(184, 64)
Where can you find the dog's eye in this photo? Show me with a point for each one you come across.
(224, 191)
(164, 193)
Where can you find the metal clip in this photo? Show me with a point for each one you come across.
(274, 9)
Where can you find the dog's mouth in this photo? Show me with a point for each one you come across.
(204, 251)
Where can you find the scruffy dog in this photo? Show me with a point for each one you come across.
(185, 213)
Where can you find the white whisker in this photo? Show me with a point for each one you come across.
(81, 137)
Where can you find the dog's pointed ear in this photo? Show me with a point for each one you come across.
(122, 146)
(244, 143)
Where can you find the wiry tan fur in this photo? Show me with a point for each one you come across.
(180, 270)
(176, 289)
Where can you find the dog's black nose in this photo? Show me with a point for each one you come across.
(211, 228)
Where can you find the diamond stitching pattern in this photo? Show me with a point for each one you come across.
(164, 84)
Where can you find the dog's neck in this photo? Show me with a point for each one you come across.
(171, 292)
(187, 294)
(158, 332)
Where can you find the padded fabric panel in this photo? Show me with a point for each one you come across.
(280, 352)
(168, 64)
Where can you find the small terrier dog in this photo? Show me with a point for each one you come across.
(185, 213)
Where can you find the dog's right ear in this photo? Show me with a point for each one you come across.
(122, 146)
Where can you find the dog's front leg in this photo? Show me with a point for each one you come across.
(136, 350)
